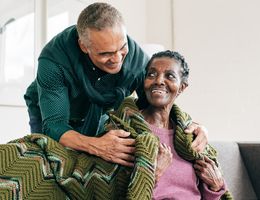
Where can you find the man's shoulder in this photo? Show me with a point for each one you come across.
(66, 33)
(63, 48)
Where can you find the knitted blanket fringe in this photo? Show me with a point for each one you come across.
(37, 167)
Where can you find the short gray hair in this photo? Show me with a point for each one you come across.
(177, 57)
(98, 16)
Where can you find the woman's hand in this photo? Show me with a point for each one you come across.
(164, 159)
(209, 173)
(201, 139)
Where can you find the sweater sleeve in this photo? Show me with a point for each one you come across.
(53, 99)
(208, 194)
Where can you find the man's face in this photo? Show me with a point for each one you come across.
(106, 48)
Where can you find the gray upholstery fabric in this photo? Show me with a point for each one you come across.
(251, 155)
(234, 170)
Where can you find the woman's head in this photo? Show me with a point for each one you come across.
(166, 77)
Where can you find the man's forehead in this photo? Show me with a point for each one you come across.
(107, 40)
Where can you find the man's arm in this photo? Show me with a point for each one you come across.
(114, 146)
(201, 139)
(55, 108)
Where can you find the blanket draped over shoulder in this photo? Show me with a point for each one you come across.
(37, 167)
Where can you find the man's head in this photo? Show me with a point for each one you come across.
(102, 35)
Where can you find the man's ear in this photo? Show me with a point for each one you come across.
(82, 46)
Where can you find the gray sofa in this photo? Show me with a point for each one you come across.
(240, 164)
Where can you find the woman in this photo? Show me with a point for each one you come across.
(167, 78)
(180, 172)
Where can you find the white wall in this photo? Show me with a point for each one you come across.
(221, 41)
(140, 20)
(14, 123)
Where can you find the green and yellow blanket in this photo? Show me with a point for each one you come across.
(37, 167)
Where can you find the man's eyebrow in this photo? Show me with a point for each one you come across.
(112, 52)
(123, 46)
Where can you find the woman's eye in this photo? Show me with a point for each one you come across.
(171, 76)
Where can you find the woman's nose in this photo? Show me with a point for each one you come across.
(159, 79)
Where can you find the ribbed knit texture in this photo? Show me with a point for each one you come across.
(37, 167)
(67, 89)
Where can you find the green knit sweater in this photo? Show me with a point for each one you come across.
(71, 93)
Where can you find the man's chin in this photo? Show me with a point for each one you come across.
(114, 69)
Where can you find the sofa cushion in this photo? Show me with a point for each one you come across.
(233, 168)
(250, 153)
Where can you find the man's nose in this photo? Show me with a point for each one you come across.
(116, 57)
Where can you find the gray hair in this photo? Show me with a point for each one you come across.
(177, 57)
(98, 16)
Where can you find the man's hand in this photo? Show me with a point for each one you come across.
(209, 174)
(116, 147)
(201, 139)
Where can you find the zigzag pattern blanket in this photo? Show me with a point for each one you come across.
(37, 167)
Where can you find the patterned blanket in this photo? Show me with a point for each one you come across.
(37, 167)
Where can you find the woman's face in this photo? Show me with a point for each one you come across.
(163, 82)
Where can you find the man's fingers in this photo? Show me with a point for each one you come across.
(127, 157)
(190, 128)
(127, 141)
(201, 140)
(198, 145)
(124, 162)
(120, 133)
(197, 141)
(127, 149)
(124, 159)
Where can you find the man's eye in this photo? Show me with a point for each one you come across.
(104, 54)
(151, 74)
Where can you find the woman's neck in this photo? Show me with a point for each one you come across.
(157, 117)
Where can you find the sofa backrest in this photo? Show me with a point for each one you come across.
(234, 170)
(251, 156)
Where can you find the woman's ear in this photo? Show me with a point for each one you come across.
(82, 46)
(182, 87)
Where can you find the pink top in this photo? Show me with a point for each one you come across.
(180, 181)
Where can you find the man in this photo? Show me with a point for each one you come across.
(83, 72)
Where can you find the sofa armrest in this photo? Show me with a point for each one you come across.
(250, 153)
